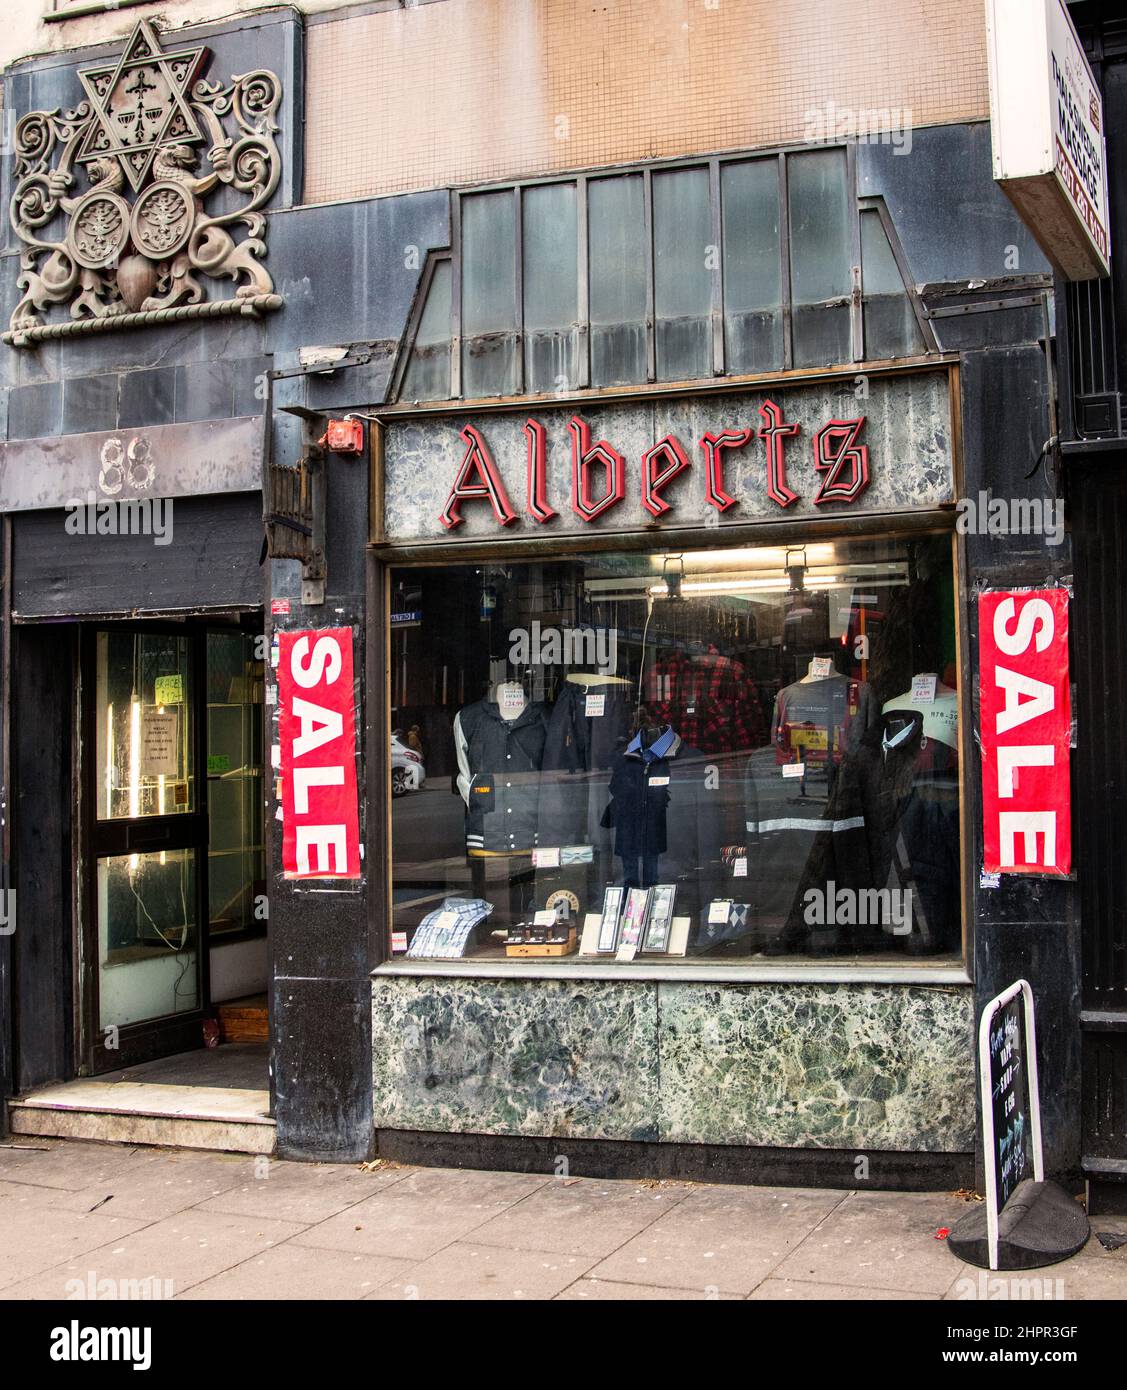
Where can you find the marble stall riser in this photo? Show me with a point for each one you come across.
(788, 1066)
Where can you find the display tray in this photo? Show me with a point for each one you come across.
(526, 949)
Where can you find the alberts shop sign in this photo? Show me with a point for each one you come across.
(872, 445)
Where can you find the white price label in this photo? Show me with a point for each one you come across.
(923, 690)
(545, 858)
(739, 868)
(719, 910)
(511, 701)
(821, 667)
(794, 769)
(595, 706)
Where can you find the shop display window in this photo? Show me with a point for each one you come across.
(711, 755)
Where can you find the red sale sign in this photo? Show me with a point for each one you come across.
(1025, 727)
(317, 723)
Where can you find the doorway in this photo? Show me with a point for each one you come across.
(172, 874)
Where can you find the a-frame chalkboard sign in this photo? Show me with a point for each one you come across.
(1025, 1221)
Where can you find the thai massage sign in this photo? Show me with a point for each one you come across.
(1025, 731)
(881, 445)
(317, 726)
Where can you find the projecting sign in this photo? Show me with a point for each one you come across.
(1047, 128)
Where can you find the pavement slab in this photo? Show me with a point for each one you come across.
(726, 1239)
(881, 1240)
(466, 1270)
(417, 1217)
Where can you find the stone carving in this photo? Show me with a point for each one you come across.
(111, 203)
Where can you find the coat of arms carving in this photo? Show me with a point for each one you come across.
(112, 199)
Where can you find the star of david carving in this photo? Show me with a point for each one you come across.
(141, 102)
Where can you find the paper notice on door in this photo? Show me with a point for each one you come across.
(159, 744)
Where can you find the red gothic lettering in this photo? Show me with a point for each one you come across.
(655, 477)
(713, 446)
(774, 433)
(583, 454)
(478, 463)
(537, 506)
(835, 446)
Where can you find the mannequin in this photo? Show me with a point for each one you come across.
(499, 744)
(818, 717)
(940, 716)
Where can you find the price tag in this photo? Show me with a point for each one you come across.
(546, 917)
(739, 868)
(627, 951)
(545, 858)
(169, 690)
(445, 920)
(923, 690)
(398, 940)
(595, 706)
(794, 769)
(821, 667)
(512, 701)
(658, 782)
(719, 910)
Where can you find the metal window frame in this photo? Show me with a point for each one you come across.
(406, 348)
(878, 205)
(714, 164)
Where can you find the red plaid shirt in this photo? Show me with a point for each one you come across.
(708, 699)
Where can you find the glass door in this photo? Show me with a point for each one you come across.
(148, 829)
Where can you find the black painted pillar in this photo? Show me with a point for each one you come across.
(321, 996)
(1026, 927)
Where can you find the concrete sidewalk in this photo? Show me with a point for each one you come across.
(78, 1219)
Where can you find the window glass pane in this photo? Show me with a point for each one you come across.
(683, 255)
(551, 288)
(819, 257)
(428, 373)
(891, 329)
(743, 741)
(144, 737)
(235, 866)
(488, 295)
(148, 959)
(617, 274)
(753, 320)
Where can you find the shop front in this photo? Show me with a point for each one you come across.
(683, 860)
(135, 741)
